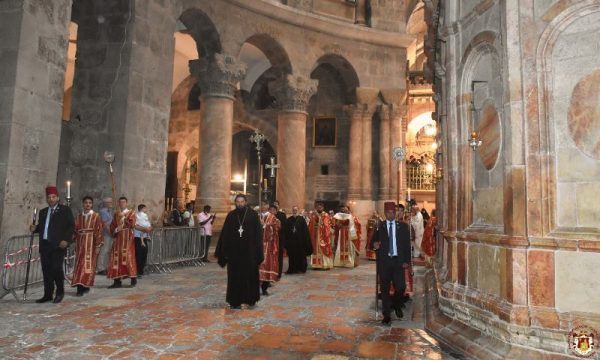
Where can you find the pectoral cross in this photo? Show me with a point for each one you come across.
(272, 166)
(241, 230)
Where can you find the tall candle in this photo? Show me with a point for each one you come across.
(408, 193)
(68, 189)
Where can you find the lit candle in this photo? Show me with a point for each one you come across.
(68, 189)
(409, 194)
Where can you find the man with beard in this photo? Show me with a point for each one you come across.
(282, 234)
(240, 249)
(298, 243)
(55, 228)
(122, 263)
(320, 235)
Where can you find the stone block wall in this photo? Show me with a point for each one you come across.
(33, 52)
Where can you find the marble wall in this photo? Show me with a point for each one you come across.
(520, 221)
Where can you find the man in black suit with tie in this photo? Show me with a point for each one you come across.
(55, 227)
(392, 244)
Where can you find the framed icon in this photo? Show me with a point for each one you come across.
(324, 132)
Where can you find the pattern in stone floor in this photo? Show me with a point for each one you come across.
(320, 315)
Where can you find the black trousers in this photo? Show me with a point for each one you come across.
(208, 239)
(141, 254)
(391, 270)
(52, 270)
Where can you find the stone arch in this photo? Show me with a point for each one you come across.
(545, 126)
(203, 30)
(273, 50)
(345, 71)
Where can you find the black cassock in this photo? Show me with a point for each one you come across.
(242, 255)
(282, 238)
(298, 244)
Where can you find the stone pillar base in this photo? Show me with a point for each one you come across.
(363, 209)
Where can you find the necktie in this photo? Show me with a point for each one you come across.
(47, 223)
(392, 239)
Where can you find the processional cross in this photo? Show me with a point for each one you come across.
(272, 166)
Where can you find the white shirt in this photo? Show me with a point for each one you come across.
(393, 248)
(208, 226)
(48, 214)
(141, 219)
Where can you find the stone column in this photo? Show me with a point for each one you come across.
(218, 77)
(396, 110)
(292, 93)
(355, 151)
(33, 58)
(360, 165)
(384, 154)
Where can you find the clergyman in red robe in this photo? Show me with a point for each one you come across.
(89, 239)
(269, 269)
(122, 262)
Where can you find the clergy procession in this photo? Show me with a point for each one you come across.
(252, 245)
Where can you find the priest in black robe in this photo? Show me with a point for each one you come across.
(240, 249)
(282, 234)
(298, 244)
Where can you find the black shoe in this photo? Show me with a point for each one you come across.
(386, 321)
(205, 260)
(58, 298)
(265, 293)
(116, 284)
(235, 307)
(133, 282)
(102, 272)
(86, 290)
(44, 299)
(399, 313)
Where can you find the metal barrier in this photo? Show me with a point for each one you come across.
(171, 247)
(15, 264)
(168, 248)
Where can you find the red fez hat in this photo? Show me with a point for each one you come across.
(389, 205)
(51, 190)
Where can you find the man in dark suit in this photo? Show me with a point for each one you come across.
(392, 244)
(55, 227)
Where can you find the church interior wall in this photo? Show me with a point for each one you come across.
(514, 266)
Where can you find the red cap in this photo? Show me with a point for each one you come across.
(51, 190)
(389, 205)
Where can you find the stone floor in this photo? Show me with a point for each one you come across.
(320, 315)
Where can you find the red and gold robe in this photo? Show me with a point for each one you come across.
(320, 235)
(428, 244)
(371, 227)
(347, 237)
(122, 254)
(269, 269)
(88, 239)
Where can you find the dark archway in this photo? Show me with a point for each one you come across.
(203, 30)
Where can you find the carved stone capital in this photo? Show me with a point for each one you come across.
(218, 75)
(366, 103)
(293, 92)
(394, 96)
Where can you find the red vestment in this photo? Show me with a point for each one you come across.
(428, 244)
(269, 269)
(347, 238)
(122, 254)
(371, 227)
(88, 238)
(320, 236)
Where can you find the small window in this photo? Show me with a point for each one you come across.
(324, 169)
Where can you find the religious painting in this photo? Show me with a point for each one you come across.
(194, 172)
(324, 132)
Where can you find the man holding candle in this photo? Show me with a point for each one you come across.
(55, 227)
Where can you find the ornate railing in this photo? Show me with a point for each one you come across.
(420, 177)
